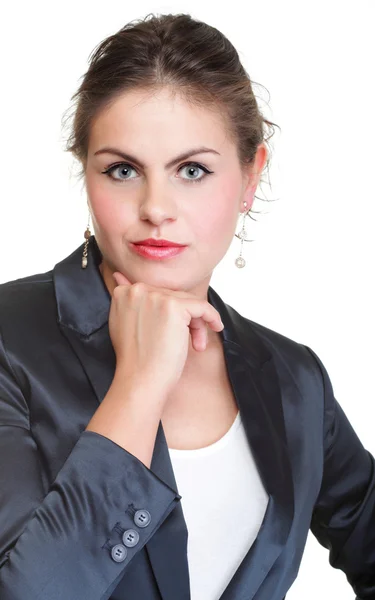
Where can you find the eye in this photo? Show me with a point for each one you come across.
(125, 168)
(194, 167)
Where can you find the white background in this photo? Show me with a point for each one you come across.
(310, 272)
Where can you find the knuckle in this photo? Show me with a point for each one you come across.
(169, 303)
(137, 288)
(154, 295)
(117, 292)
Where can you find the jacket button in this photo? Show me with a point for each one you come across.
(119, 553)
(142, 518)
(130, 538)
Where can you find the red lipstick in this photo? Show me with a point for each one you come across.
(157, 249)
(158, 242)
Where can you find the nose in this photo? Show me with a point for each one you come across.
(157, 205)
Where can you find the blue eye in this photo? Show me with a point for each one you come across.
(195, 167)
(124, 166)
(127, 167)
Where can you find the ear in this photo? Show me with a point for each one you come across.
(253, 174)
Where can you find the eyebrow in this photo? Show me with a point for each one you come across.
(173, 162)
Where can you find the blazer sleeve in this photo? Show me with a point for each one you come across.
(343, 519)
(55, 543)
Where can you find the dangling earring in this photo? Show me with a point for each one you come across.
(240, 261)
(87, 235)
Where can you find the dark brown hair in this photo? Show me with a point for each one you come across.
(193, 59)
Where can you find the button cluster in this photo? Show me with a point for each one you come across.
(130, 537)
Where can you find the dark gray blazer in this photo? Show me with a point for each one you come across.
(83, 519)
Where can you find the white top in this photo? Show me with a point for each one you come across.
(224, 502)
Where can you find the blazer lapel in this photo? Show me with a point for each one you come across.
(83, 303)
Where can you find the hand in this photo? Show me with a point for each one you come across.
(150, 328)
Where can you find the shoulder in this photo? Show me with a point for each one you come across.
(27, 300)
(280, 344)
(269, 342)
(292, 358)
(30, 288)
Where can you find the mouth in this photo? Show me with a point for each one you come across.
(156, 252)
(158, 242)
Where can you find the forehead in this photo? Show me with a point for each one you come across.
(137, 115)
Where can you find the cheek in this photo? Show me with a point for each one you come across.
(108, 213)
(219, 214)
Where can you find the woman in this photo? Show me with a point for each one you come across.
(155, 444)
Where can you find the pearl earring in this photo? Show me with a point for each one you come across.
(240, 262)
(87, 235)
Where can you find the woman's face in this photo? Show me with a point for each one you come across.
(142, 197)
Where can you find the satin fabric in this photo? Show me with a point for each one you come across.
(67, 495)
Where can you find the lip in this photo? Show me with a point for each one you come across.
(156, 252)
(158, 242)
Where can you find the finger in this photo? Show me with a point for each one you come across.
(210, 316)
(120, 279)
(199, 336)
